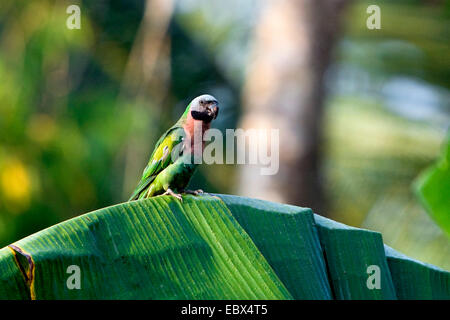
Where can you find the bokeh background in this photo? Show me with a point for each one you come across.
(361, 112)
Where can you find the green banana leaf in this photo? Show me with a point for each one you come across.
(350, 253)
(152, 249)
(417, 280)
(287, 238)
(432, 188)
(13, 285)
(208, 247)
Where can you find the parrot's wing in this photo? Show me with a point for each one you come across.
(159, 159)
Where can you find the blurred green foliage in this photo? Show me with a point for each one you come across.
(386, 119)
(60, 137)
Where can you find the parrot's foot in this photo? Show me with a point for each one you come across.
(194, 192)
(173, 194)
(200, 192)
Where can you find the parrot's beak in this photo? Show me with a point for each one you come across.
(215, 110)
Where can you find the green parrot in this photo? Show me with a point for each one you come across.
(169, 174)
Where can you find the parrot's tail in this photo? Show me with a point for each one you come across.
(142, 186)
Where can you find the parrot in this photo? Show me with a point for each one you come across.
(166, 174)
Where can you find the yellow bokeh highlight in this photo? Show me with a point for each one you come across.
(15, 184)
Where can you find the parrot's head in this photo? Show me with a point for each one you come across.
(204, 108)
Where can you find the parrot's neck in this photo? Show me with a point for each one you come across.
(191, 126)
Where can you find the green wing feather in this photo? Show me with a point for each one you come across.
(160, 158)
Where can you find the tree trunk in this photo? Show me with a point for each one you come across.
(284, 90)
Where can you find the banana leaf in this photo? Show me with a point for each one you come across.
(350, 254)
(151, 249)
(210, 247)
(417, 280)
(432, 188)
(13, 284)
(287, 238)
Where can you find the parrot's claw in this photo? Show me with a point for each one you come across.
(200, 192)
(194, 192)
(173, 194)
